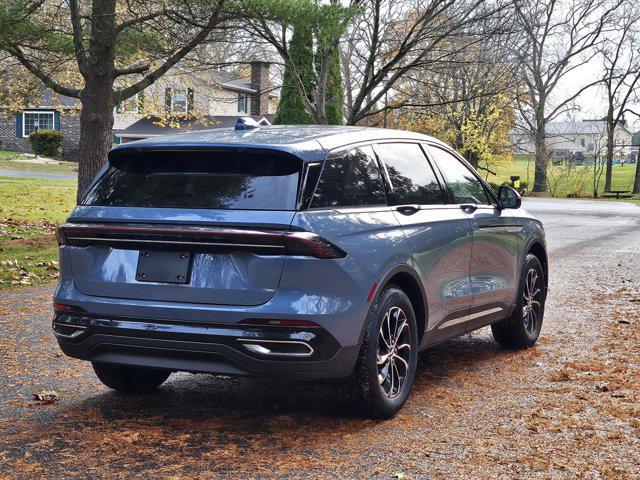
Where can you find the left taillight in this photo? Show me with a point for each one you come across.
(60, 236)
(62, 308)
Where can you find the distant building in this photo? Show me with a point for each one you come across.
(635, 147)
(585, 138)
(177, 102)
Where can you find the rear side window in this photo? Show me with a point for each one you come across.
(245, 180)
(465, 186)
(411, 177)
(350, 179)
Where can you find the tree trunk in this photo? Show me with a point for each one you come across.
(96, 132)
(610, 134)
(540, 175)
(636, 182)
(96, 119)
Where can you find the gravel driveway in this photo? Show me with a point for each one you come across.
(568, 408)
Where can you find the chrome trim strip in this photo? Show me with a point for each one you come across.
(80, 330)
(114, 241)
(252, 344)
(466, 318)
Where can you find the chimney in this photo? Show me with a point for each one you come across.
(260, 82)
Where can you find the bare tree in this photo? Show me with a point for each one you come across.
(389, 40)
(621, 74)
(559, 37)
(470, 97)
(79, 49)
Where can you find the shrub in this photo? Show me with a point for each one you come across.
(48, 142)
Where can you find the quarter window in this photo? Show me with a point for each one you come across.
(33, 121)
(350, 180)
(463, 183)
(411, 177)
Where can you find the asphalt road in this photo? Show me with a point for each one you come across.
(567, 408)
(8, 172)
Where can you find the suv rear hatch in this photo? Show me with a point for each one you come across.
(199, 226)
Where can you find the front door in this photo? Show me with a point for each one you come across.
(439, 236)
(494, 257)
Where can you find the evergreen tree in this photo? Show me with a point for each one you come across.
(291, 109)
(335, 94)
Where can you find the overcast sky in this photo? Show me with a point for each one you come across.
(592, 102)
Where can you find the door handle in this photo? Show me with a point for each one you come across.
(408, 209)
(468, 207)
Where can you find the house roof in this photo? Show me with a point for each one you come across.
(584, 127)
(230, 80)
(43, 98)
(152, 126)
(310, 142)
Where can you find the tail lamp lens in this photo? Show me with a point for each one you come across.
(310, 244)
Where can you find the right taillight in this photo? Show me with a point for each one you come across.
(310, 244)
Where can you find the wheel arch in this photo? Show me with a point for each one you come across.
(537, 248)
(408, 280)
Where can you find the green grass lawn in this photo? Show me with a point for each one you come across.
(14, 161)
(29, 212)
(563, 180)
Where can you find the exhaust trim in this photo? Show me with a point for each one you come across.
(257, 346)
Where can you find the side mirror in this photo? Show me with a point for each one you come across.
(508, 197)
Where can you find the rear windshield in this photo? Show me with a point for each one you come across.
(256, 180)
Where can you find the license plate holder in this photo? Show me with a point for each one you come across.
(163, 267)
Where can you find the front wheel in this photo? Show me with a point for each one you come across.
(386, 365)
(129, 379)
(522, 328)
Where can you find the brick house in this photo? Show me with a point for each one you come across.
(47, 111)
(208, 99)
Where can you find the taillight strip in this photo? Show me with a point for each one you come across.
(193, 238)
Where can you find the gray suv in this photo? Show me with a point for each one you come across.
(304, 252)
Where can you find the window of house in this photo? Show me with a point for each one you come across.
(243, 103)
(179, 100)
(582, 142)
(463, 183)
(351, 179)
(131, 105)
(411, 177)
(32, 121)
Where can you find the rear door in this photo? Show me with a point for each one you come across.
(494, 263)
(221, 212)
(439, 236)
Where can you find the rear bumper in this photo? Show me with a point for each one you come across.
(294, 352)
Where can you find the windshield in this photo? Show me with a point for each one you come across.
(240, 179)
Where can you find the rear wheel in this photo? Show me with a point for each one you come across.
(129, 379)
(386, 365)
(522, 328)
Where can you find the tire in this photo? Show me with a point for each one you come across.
(522, 328)
(128, 379)
(364, 390)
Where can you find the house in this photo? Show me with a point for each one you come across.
(43, 110)
(635, 147)
(179, 101)
(586, 138)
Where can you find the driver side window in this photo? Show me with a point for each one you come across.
(464, 185)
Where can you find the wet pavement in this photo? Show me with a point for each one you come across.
(567, 408)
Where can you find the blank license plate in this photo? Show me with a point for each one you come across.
(167, 267)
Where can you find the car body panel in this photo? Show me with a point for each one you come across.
(441, 243)
(464, 263)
